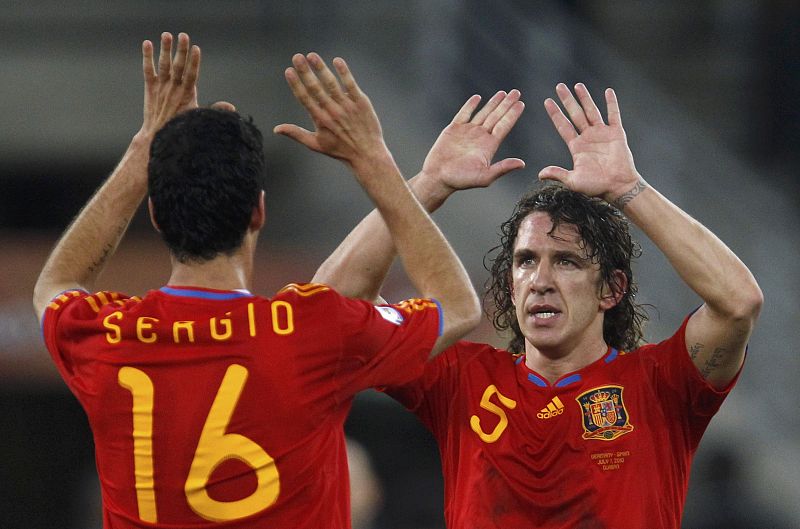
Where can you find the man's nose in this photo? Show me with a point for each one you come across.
(542, 277)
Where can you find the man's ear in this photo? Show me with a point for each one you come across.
(259, 215)
(613, 293)
(152, 214)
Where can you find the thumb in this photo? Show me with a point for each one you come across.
(298, 134)
(498, 169)
(551, 172)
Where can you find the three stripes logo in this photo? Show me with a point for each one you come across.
(554, 407)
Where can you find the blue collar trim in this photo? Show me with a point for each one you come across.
(567, 381)
(542, 383)
(203, 294)
(612, 356)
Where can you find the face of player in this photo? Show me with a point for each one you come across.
(556, 289)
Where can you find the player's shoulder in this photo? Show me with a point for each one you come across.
(312, 299)
(304, 291)
(647, 356)
(92, 302)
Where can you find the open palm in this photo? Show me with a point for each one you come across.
(602, 162)
(462, 156)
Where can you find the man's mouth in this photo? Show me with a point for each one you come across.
(544, 312)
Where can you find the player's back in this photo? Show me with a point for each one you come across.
(219, 406)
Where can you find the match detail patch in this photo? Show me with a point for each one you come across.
(390, 314)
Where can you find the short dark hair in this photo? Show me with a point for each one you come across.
(205, 176)
(603, 233)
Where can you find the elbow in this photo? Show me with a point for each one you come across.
(746, 306)
(751, 301)
(471, 315)
(476, 314)
(461, 316)
(39, 301)
(754, 303)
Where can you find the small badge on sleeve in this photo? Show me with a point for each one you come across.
(390, 314)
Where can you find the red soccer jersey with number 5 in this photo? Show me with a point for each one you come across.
(606, 447)
(219, 408)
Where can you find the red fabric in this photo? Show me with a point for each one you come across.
(301, 375)
(554, 467)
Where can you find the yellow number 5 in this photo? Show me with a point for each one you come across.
(214, 447)
(486, 404)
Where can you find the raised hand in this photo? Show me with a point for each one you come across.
(602, 162)
(172, 88)
(462, 156)
(346, 126)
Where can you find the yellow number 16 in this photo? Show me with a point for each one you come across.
(214, 447)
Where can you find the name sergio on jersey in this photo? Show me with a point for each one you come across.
(148, 330)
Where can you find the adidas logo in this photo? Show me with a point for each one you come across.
(554, 407)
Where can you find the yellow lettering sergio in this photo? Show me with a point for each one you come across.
(187, 326)
(115, 336)
(142, 325)
(226, 323)
(288, 317)
(221, 329)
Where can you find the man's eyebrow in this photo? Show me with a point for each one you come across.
(571, 255)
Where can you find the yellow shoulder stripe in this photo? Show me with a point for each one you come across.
(100, 299)
(62, 298)
(416, 304)
(304, 289)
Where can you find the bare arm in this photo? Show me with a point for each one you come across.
(717, 333)
(81, 253)
(428, 259)
(460, 159)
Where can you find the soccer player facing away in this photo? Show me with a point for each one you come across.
(577, 424)
(211, 406)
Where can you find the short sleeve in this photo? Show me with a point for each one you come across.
(683, 391)
(431, 396)
(384, 344)
(69, 317)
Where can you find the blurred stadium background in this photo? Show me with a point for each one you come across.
(710, 96)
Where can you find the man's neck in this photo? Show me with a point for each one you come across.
(221, 273)
(553, 365)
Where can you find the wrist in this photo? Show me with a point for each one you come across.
(142, 140)
(625, 194)
(379, 161)
(430, 190)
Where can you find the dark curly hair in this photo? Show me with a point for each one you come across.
(605, 236)
(205, 176)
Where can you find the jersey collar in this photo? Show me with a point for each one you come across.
(568, 379)
(205, 293)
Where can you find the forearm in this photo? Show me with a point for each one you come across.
(81, 254)
(699, 257)
(429, 261)
(358, 266)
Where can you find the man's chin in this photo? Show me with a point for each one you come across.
(542, 341)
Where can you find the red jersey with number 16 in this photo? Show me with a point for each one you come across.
(222, 409)
(606, 447)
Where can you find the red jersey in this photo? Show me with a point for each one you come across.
(606, 447)
(223, 409)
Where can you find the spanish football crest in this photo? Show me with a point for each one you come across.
(604, 414)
